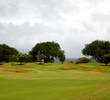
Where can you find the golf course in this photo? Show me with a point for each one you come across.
(55, 81)
(54, 49)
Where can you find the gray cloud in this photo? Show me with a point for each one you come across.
(24, 36)
(72, 23)
(8, 8)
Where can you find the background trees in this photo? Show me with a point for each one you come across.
(40, 57)
(61, 56)
(46, 51)
(23, 58)
(6, 52)
(50, 49)
(99, 50)
(10, 54)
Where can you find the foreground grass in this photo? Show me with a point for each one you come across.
(38, 82)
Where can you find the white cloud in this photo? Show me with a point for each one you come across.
(71, 23)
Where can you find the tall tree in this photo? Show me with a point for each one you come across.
(13, 58)
(6, 51)
(61, 56)
(40, 57)
(49, 49)
(22, 58)
(105, 59)
(97, 49)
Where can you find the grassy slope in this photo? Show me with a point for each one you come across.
(49, 82)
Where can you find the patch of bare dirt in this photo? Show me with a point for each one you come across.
(13, 70)
(68, 68)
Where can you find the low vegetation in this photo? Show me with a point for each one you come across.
(83, 60)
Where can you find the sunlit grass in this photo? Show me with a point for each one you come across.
(32, 81)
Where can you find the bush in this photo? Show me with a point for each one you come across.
(71, 62)
(83, 60)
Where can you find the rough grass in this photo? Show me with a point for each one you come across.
(55, 81)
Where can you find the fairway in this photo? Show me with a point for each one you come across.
(55, 81)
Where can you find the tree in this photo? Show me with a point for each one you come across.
(40, 57)
(105, 59)
(97, 49)
(61, 56)
(22, 58)
(28, 58)
(49, 49)
(13, 58)
(6, 52)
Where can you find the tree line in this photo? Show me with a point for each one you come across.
(45, 51)
(48, 51)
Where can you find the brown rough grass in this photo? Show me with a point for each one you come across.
(13, 70)
(89, 71)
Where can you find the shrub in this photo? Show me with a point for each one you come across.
(71, 62)
(83, 60)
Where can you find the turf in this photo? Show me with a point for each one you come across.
(53, 82)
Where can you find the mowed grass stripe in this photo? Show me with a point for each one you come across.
(24, 89)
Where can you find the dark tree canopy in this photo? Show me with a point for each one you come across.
(97, 49)
(49, 49)
(61, 56)
(6, 52)
(105, 59)
(40, 57)
(22, 58)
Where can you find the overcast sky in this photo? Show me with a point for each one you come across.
(71, 23)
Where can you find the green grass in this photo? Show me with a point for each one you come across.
(49, 82)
